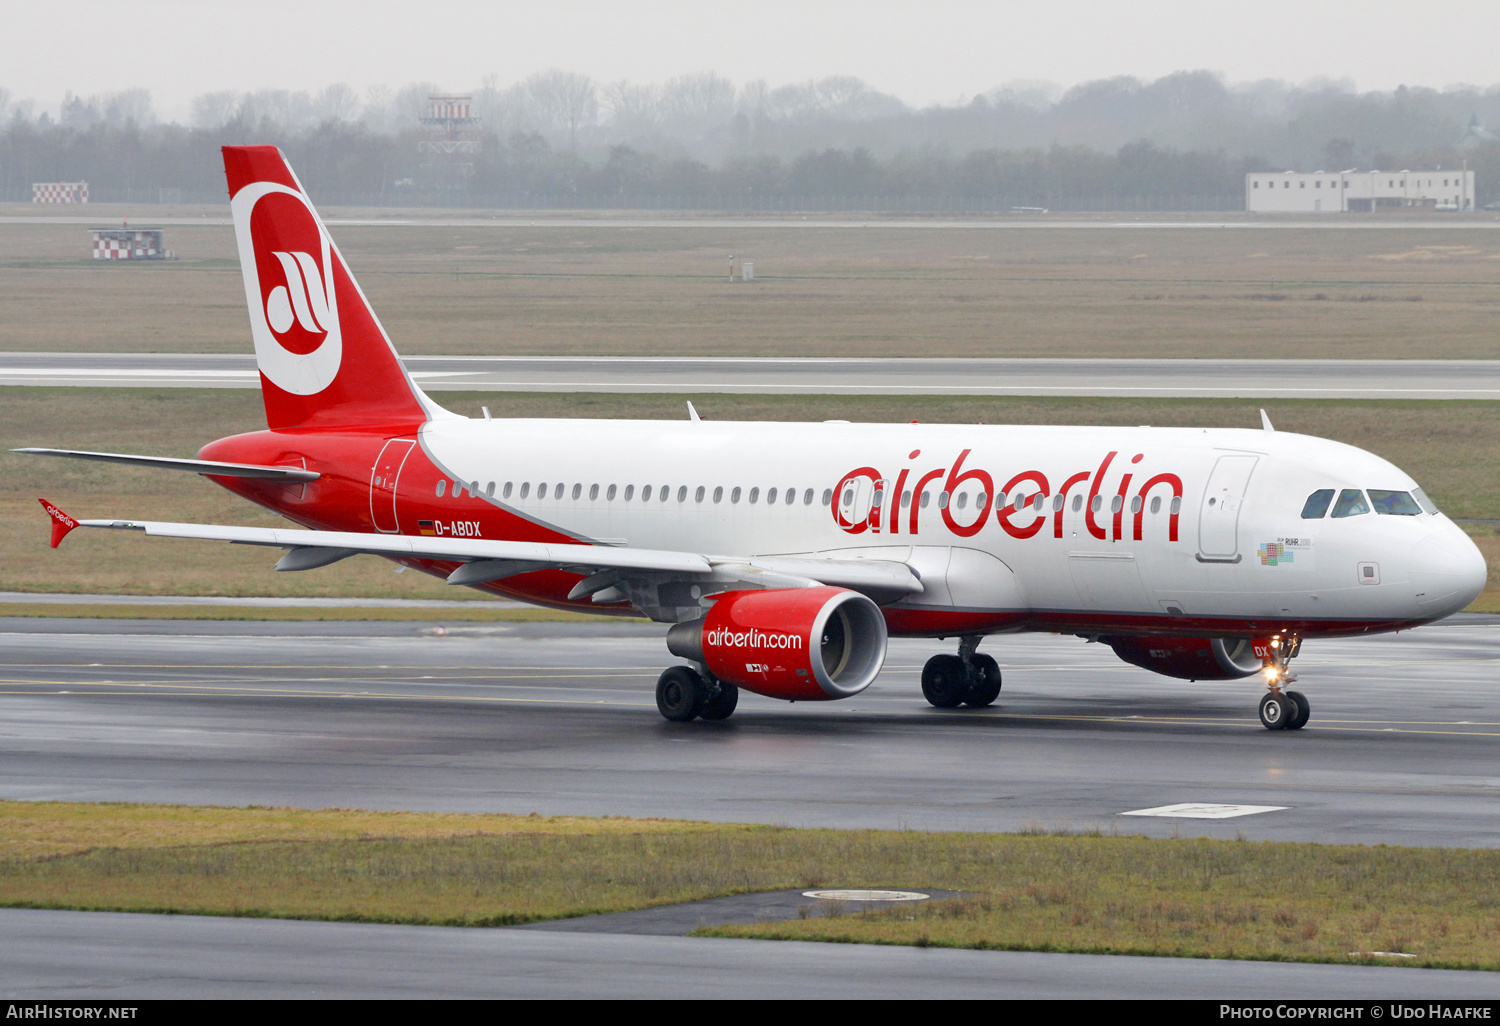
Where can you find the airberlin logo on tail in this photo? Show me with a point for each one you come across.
(288, 264)
(303, 297)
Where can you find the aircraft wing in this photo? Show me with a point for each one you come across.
(487, 560)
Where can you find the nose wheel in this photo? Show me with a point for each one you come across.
(1284, 710)
(970, 678)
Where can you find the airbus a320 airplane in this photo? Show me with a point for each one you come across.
(782, 555)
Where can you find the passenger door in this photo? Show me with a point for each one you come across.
(1219, 516)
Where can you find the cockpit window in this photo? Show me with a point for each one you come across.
(1351, 503)
(1317, 504)
(1398, 504)
(1422, 500)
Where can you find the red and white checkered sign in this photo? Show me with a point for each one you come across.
(127, 244)
(60, 192)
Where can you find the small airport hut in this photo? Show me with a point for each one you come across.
(130, 244)
(1333, 192)
(59, 192)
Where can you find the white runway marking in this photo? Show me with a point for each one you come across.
(1200, 810)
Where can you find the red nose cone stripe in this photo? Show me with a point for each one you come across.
(246, 164)
(61, 522)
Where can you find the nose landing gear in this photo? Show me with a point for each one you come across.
(1281, 709)
(969, 678)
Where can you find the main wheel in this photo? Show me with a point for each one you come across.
(722, 704)
(1277, 711)
(1302, 710)
(984, 682)
(679, 693)
(945, 681)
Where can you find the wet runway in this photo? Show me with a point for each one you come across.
(1287, 379)
(560, 718)
(120, 957)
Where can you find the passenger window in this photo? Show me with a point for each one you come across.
(506, 492)
(629, 492)
(1156, 504)
(578, 491)
(609, 495)
(442, 486)
(963, 499)
(665, 493)
(754, 496)
(1077, 503)
(593, 492)
(942, 500)
(734, 496)
(474, 489)
(828, 497)
(791, 496)
(489, 489)
(1097, 504)
(1395, 504)
(926, 498)
(1176, 504)
(698, 495)
(807, 497)
(682, 493)
(1116, 503)
(541, 490)
(1317, 504)
(1039, 503)
(646, 494)
(719, 493)
(1351, 504)
(458, 488)
(1057, 502)
(1423, 501)
(1135, 504)
(771, 497)
(525, 487)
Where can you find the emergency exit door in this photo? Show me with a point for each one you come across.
(1219, 516)
(383, 480)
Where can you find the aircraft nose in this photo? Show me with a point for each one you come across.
(1447, 572)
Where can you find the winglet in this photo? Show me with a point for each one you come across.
(61, 522)
(692, 413)
(1265, 422)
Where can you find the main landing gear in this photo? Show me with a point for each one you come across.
(969, 678)
(1281, 709)
(682, 694)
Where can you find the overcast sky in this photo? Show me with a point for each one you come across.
(924, 51)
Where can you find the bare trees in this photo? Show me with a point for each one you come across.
(563, 99)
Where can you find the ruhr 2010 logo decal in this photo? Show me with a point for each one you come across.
(287, 260)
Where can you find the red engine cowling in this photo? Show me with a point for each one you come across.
(1190, 658)
(797, 644)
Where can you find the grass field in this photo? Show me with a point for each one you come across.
(1122, 895)
(1453, 448)
(1091, 290)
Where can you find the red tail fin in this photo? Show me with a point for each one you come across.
(61, 522)
(324, 359)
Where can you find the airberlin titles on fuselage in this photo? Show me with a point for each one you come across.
(1020, 506)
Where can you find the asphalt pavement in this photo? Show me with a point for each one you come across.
(1263, 379)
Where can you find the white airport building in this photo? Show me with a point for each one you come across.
(1328, 192)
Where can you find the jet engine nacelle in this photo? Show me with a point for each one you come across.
(797, 644)
(1190, 658)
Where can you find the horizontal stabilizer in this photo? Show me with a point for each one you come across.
(211, 467)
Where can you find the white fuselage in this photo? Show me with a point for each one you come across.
(1242, 550)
